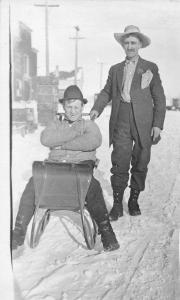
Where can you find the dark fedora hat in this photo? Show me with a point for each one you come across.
(73, 92)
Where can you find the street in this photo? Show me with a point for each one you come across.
(146, 265)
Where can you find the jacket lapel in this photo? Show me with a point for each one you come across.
(120, 72)
(140, 68)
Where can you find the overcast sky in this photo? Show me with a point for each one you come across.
(98, 20)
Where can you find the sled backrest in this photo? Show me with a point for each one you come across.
(61, 185)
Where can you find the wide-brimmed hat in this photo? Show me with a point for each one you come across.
(73, 92)
(131, 29)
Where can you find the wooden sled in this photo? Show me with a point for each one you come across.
(61, 186)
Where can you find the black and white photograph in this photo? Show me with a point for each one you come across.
(91, 174)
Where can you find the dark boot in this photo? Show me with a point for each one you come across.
(108, 237)
(117, 209)
(133, 205)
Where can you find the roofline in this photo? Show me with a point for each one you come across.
(25, 26)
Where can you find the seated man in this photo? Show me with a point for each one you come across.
(72, 140)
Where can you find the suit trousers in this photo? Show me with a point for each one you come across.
(128, 155)
(94, 202)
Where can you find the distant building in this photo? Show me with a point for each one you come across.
(66, 78)
(47, 96)
(24, 63)
(24, 73)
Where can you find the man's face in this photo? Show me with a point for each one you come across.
(131, 46)
(73, 109)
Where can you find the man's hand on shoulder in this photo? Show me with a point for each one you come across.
(93, 114)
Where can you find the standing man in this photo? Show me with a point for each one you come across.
(137, 117)
(72, 140)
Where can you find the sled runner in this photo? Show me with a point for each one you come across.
(61, 186)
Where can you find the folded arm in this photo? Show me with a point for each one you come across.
(90, 140)
(57, 133)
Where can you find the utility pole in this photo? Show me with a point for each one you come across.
(46, 5)
(76, 38)
(101, 74)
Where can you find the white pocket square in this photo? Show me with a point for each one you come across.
(146, 79)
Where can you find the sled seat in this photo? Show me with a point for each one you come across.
(61, 186)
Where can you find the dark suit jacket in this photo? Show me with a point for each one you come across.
(148, 104)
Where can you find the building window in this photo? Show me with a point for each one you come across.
(18, 88)
(25, 65)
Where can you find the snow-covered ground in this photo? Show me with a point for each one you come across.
(146, 265)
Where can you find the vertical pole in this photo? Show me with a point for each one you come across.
(101, 65)
(101, 75)
(47, 39)
(76, 38)
(46, 5)
(76, 56)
